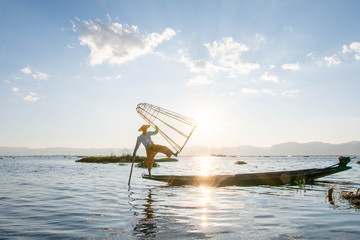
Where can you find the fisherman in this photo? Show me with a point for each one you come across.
(151, 148)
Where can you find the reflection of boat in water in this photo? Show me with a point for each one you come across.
(252, 179)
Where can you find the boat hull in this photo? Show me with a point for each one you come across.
(249, 179)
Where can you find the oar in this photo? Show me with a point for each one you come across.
(132, 165)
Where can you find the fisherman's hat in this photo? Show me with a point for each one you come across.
(143, 127)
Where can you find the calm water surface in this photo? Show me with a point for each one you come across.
(55, 197)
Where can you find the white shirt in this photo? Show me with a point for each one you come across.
(145, 139)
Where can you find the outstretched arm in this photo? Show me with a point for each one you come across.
(136, 146)
(155, 132)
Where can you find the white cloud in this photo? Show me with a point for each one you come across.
(199, 80)
(15, 90)
(116, 43)
(345, 49)
(227, 54)
(291, 66)
(332, 60)
(107, 78)
(109, 17)
(250, 91)
(40, 75)
(6, 81)
(198, 66)
(311, 55)
(269, 77)
(354, 48)
(226, 49)
(290, 93)
(272, 66)
(259, 38)
(267, 91)
(73, 26)
(26, 70)
(37, 75)
(31, 97)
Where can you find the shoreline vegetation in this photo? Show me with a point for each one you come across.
(120, 159)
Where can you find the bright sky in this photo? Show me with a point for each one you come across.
(251, 72)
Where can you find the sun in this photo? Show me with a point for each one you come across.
(207, 120)
(212, 122)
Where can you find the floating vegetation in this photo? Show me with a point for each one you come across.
(240, 162)
(352, 197)
(330, 196)
(111, 159)
(120, 159)
(141, 165)
(166, 160)
(301, 183)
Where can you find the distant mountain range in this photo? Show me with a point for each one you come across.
(289, 148)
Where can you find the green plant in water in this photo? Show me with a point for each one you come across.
(111, 159)
(141, 165)
(301, 183)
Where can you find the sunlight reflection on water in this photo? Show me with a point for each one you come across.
(204, 165)
(204, 201)
(54, 197)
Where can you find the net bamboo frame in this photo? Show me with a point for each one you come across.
(151, 114)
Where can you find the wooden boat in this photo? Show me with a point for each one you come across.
(253, 179)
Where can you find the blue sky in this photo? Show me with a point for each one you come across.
(251, 72)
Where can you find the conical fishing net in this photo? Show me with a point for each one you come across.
(175, 128)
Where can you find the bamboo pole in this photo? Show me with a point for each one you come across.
(132, 166)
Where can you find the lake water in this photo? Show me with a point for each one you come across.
(57, 198)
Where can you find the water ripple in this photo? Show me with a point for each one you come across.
(56, 198)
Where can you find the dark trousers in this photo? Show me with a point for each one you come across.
(151, 151)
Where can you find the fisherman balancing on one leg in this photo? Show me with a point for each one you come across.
(151, 148)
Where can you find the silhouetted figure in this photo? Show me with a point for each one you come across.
(151, 148)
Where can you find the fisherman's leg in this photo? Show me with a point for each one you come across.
(151, 162)
(166, 151)
(146, 161)
(163, 149)
(148, 156)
